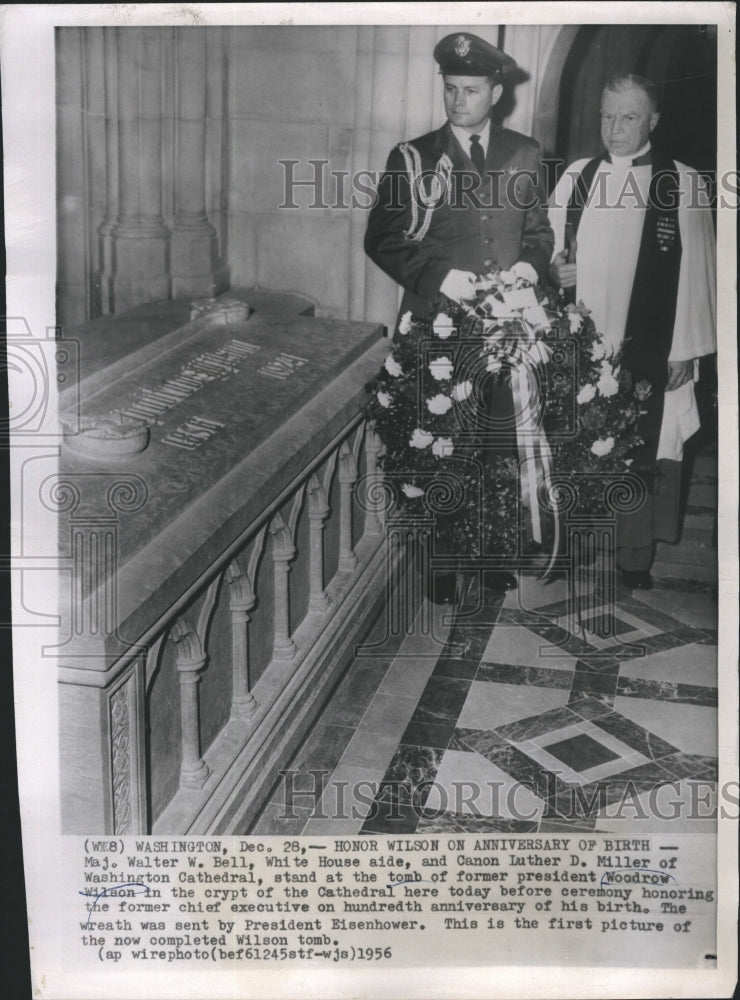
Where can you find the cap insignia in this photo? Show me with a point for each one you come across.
(462, 46)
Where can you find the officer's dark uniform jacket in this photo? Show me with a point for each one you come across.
(499, 222)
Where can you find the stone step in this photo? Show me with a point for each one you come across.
(666, 571)
(701, 536)
(686, 560)
(702, 493)
(705, 466)
(698, 527)
(696, 510)
(686, 555)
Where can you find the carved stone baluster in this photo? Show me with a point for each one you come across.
(347, 477)
(190, 661)
(318, 510)
(374, 507)
(283, 552)
(242, 600)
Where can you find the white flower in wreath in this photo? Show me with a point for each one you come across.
(586, 394)
(507, 277)
(524, 272)
(599, 350)
(392, 366)
(443, 447)
(602, 447)
(607, 384)
(405, 325)
(384, 399)
(412, 492)
(439, 404)
(443, 326)
(441, 368)
(462, 390)
(575, 321)
(421, 439)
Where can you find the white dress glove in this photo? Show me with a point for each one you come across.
(459, 285)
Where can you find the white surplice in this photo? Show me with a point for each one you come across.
(608, 244)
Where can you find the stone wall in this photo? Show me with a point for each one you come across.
(141, 167)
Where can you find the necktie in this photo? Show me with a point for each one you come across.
(476, 154)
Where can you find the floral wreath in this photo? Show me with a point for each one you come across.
(577, 415)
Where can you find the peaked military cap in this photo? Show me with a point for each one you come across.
(463, 54)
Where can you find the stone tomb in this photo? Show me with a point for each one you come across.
(237, 506)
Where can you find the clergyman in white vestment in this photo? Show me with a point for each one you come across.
(645, 266)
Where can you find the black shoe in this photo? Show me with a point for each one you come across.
(442, 587)
(499, 582)
(638, 579)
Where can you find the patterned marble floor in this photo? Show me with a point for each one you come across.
(520, 716)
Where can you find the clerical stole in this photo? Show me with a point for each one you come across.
(651, 307)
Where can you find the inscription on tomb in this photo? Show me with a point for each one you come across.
(192, 433)
(283, 366)
(150, 403)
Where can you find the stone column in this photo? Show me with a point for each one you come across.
(283, 552)
(318, 510)
(72, 188)
(104, 278)
(140, 237)
(242, 600)
(374, 506)
(190, 661)
(194, 249)
(347, 477)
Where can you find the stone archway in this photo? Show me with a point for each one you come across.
(545, 122)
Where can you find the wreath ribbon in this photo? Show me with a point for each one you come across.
(535, 456)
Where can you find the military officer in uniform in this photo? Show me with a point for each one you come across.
(490, 210)
(462, 200)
